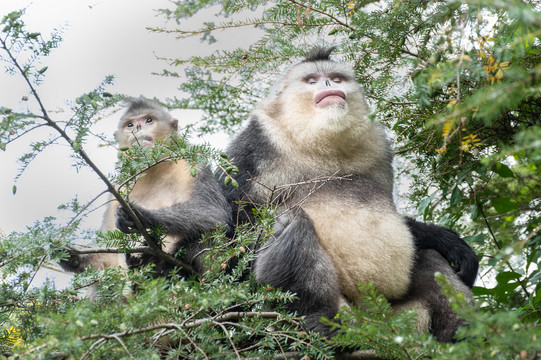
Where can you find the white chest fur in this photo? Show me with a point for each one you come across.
(366, 244)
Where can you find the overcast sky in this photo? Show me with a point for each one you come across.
(100, 38)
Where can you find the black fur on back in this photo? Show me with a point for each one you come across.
(319, 54)
(250, 149)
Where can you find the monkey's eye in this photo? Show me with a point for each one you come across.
(337, 79)
(311, 80)
(130, 124)
(149, 120)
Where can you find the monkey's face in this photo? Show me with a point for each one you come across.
(144, 129)
(318, 99)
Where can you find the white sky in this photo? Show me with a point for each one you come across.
(99, 38)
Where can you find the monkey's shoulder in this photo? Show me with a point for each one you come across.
(251, 145)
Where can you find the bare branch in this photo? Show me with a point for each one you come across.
(124, 346)
(78, 149)
(189, 325)
(136, 250)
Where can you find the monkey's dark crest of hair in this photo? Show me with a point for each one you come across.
(137, 104)
(319, 54)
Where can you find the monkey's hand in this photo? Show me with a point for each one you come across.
(72, 262)
(450, 245)
(124, 221)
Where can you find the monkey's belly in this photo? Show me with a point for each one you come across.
(365, 245)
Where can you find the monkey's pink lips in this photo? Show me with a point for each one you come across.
(329, 97)
(147, 141)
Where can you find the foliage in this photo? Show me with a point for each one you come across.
(456, 82)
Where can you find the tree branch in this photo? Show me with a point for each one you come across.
(189, 325)
(78, 149)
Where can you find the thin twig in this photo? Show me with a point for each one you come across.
(96, 344)
(188, 325)
(226, 332)
(78, 149)
(124, 346)
(135, 250)
(499, 247)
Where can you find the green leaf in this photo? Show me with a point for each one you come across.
(478, 291)
(503, 170)
(424, 206)
(477, 239)
(475, 212)
(506, 276)
(456, 196)
(14, 189)
(535, 277)
(503, 205)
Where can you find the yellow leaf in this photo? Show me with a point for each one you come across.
(441, 150)
(446, 129)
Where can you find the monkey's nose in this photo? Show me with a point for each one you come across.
(327, 83)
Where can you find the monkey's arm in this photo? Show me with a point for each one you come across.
(77, 263)
(203, 212)
(450, 245)
(295, 261)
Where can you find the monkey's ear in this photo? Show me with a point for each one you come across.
(174, 124)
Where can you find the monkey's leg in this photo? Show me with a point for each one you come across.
(77, 263)
(295, 261)
(450, 245)
(427, 294)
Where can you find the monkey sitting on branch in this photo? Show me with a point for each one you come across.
(312, 149)
(184, 202)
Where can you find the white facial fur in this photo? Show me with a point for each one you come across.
(361, 239)
(144, 127)
(297, 115)
(337, 137)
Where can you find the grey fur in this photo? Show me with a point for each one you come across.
(426, 291)
(295, 259)
(201, 205)
(302, 267)
(203, 212)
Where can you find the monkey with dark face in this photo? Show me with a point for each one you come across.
(345, 230)
(166, 195)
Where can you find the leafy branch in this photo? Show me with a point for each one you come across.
(78, 149)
